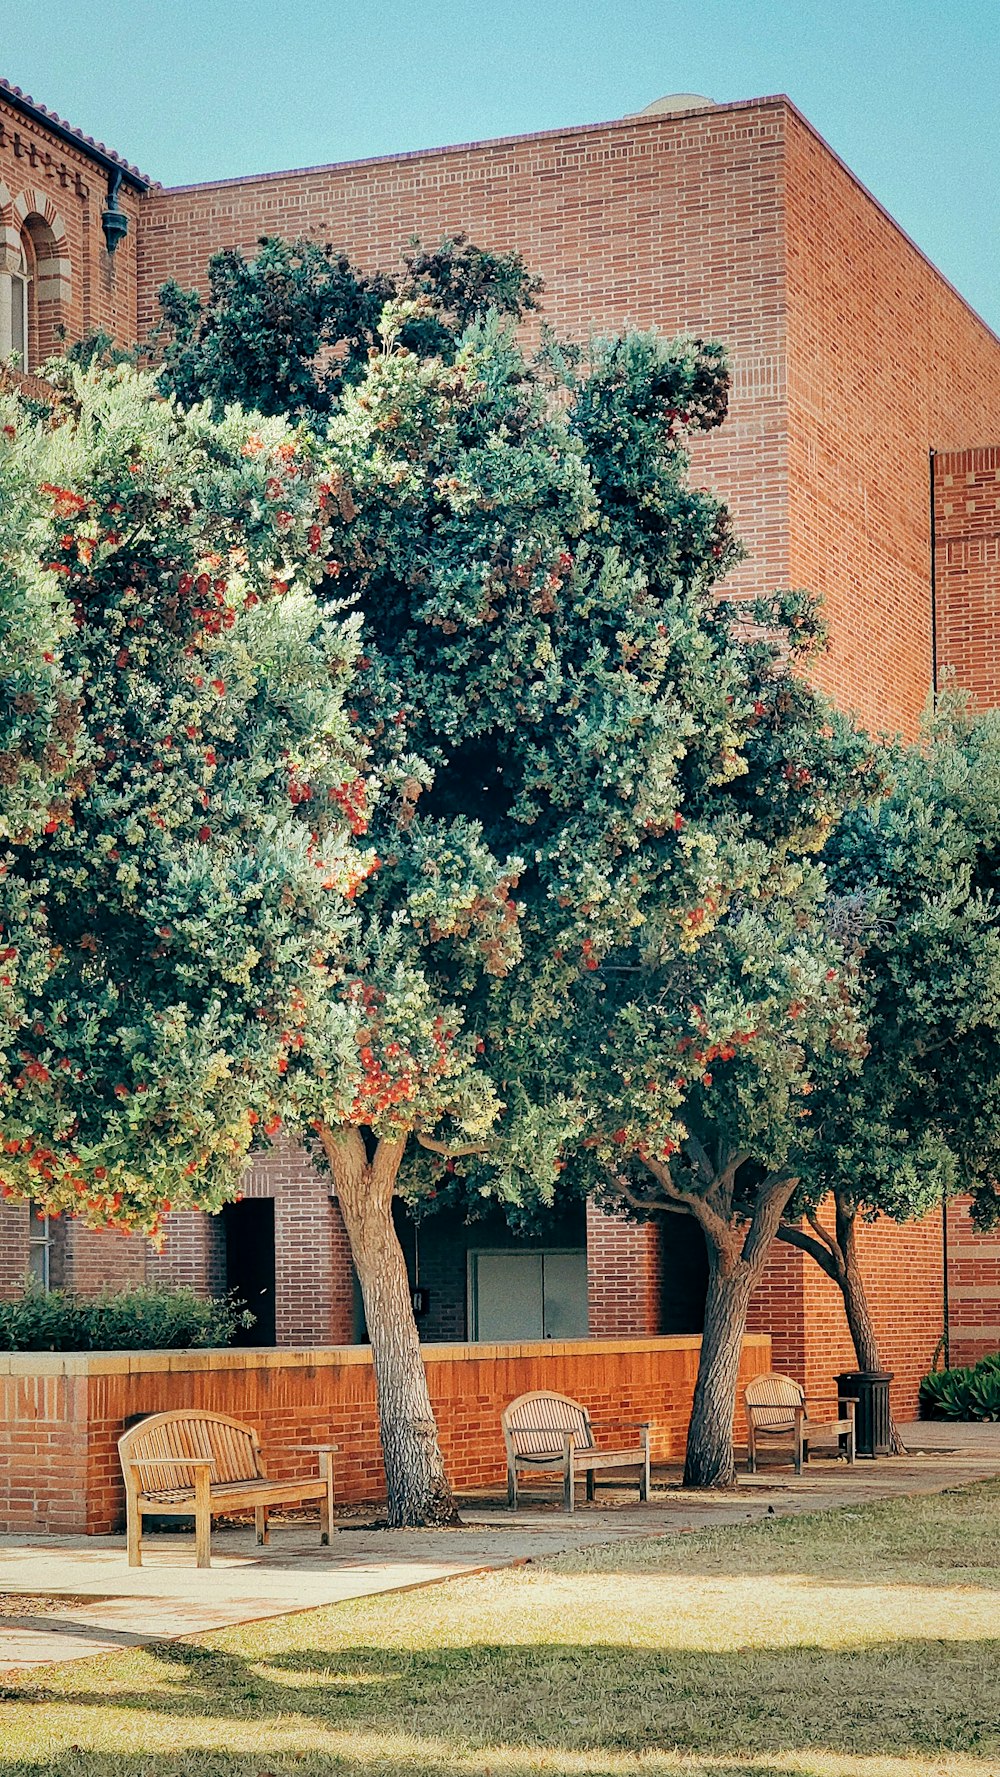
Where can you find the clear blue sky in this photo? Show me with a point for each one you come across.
(907, 91)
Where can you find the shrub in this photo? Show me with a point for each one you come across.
(123, 1320)
(972, 1392)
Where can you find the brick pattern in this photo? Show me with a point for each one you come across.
(624, 1275)
(51, 198)
(802, 1310)
(967, 563)
(61, 1417)
(973, 1287)
(885, 363)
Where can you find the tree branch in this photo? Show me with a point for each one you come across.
(448, 1149)
(714, 1226)
(667, 1206)
(793, 1236)
(766, 1219)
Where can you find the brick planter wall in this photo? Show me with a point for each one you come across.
(61, 1414)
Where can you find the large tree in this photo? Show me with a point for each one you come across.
(917, 883)
(195, 912)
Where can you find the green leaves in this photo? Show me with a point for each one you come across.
(196, 893)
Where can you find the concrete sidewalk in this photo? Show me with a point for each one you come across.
(80, 1598)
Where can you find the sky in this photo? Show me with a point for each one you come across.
(906, 91)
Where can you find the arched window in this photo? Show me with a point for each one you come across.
(15, 327)
(19, 310)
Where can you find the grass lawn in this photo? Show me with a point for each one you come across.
(850, 1644)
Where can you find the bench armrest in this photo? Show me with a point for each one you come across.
(847, 1407)
(316, 1449)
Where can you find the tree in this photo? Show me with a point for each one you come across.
(195, 911)
(917, 883)
(284, 333)
(515, 653)
(686, 994)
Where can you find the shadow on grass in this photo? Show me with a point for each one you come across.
(906, 1698)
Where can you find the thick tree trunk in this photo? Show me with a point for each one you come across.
(418, 1489)
(711, 1458)
(737, 1252)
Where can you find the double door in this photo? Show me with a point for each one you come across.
(528, 1295)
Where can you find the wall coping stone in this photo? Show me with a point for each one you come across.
(248, 1357)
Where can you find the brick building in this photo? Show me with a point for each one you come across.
(856, 367)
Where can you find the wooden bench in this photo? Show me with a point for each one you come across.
(775, 1407)
(192, 1462)
(551, 1431)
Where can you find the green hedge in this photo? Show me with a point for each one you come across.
(125, 1320)
(971, 1393)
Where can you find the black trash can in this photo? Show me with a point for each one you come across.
(870, 1388)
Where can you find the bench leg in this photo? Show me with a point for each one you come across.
(512, 1486)
(644, 1471)
(133, 1522)
(261, 1524)
(591, 1486)
(202, 1519)
(568, 1480)
(751, 1451)
(326, 1503)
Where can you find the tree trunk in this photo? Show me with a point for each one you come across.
(837, 1255)
(737, 1252)
(418, 1490)
(859, 1319)
(711, 1458)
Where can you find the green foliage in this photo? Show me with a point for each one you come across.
(142, 1319)
(41, 750)
(917, 899)
(195, 900)
(968, 1393)
(286, 331)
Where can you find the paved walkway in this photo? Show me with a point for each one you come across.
(80, 1598)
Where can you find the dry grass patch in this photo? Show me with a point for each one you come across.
(848, 1644)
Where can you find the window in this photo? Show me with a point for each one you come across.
(19, 312)
(14, 284)
(39, 1246)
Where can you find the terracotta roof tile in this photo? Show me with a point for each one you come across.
(24, 102)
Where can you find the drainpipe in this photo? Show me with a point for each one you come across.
(945, 1292)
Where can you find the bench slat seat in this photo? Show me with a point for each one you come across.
(551, 1431)
(192, 1461)
(238, 1494)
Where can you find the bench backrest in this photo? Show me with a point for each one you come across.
(190, 1431)
(771, 1397)
(534, 1424)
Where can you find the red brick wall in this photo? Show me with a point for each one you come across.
(802, 1309)
(624, 1275)
(61, 1417)
(885, 363)
(673, 222)
(973, 1287)
(967, 564)
(80, 286)
(13, 1248)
